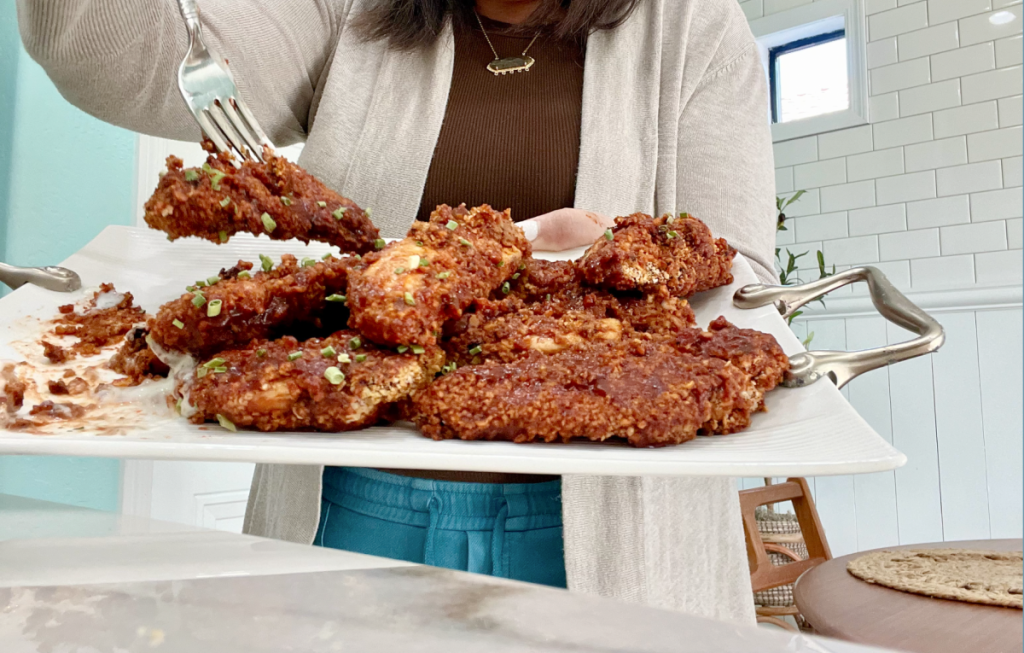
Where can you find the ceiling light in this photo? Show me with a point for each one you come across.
(1001, 18)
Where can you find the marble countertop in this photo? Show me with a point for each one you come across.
(85, 581)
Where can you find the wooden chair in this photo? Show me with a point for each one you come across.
(763, 574)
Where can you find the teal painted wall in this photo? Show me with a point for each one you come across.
(64, 176)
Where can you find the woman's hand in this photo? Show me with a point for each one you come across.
(565, 229)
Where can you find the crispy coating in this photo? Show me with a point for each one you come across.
(260, 386)
(409, 290)
(135, 360)
(220, 200)
(93, 328)
(644, 253)
(637, 389)
(289, 297)
(757, 354)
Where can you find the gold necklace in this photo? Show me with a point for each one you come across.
(500, 66)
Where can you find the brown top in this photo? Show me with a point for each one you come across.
(511, 141)
(840, 605)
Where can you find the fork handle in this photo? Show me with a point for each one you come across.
(190, 12)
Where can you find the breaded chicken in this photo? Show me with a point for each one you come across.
(277, 198)
(239, 306)
(678, 254)
(338, 383)
(405, 293)
(757, 354)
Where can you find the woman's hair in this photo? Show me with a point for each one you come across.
(410, 24)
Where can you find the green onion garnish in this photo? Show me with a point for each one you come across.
(212, 280)
(608, 234)
(339, 213)
(295, 355)
(453, 225)
(268, 222)
(224, 202)
(260, 353)
(671, 234)
(178, 324)
(244, 274)
(401, 349)
(287, 201)
(475, 350)
(684, 214)
(326, 256)
(417, 349)
(368, 212)
(334, 375)
(399, 270)
(515, 276)
(322, 204)
(198, 299)
(379, 243)
(201, 372)
(409, 299)
(216, 362)
(522, 266)
(201, 283)
(223, 235)
(336, 298)
(215, 178)
(355, 343)
(267, 262)
(219, 370)
(505, 288)
(501, 263)
(424, 263)
(344, 358)
(226, 423)
(443, 275)
(213, 310)
(360, 358)
(307, 262)
(191, 175)
(463, 241)
(328, 352)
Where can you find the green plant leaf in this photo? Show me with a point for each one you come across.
(808, 339)
(796, 196)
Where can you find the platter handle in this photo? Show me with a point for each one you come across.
(843, 366)
(49, 277)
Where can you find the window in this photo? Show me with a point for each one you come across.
(815, 63)
(808, 77)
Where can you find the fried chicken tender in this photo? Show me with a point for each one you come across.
(136, 361)
(338, 383)
(276, 198)
(263, 305)
(679, 254)
(409, 290)
(757, 354)
(639, 389)
(94, 328)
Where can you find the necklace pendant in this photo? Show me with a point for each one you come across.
(510, 65)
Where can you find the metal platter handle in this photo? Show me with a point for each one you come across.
(841, 366)
(49, 277)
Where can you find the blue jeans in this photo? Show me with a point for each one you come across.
(509, 531)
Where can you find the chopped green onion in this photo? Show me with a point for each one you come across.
(191, 175)
(287, 201)
(216, 362)
(401, 349)
(223, 235)
(224, 202)
(201, 283)
(399, 270)
(260, 353)
(417, 349)
(178, 324)
(344, 358)
(379, 243)
(177, 406)
(522, 266)
(443, 275)
(190, 288)
(501, 263)
(339, 213)
(219, 370)
(328, 352)
(267, 262)
(355, 343)
(671, 234)
(226, 423)
(516, 276)
(608, 234)
(295, 355)
(419, 243)
(213, 310)
(368, 212)
(548, 298)
(326, 256)
(360, 358)
(201, 372)
(334, 375)
(409, 299)
(475, 350)
(198, 300)
(505, 288)
(453, 225)
(424, 262)
(244, 274)
(212, 280)
(215, 178)
(268, 222)
(463, 241)
(683, 215)
(322, 204)
(336, 298)
(207, 168)
(307, 262)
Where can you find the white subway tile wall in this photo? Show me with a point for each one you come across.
(931, 189)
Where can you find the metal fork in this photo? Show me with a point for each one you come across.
(210, 93)
(49, 277)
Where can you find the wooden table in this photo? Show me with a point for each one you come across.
(840, 605)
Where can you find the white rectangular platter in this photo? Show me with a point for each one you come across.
(811, 431)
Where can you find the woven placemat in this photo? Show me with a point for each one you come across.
(986, 577)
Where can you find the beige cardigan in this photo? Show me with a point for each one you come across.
(674, 118)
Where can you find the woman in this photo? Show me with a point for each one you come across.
(630, 105)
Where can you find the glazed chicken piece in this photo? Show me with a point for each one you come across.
(406, 292)
(338, 383)
(277, 198)
(644, 253)
(240, 306)
(757, 354)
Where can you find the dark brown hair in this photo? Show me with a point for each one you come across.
(410, 24)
